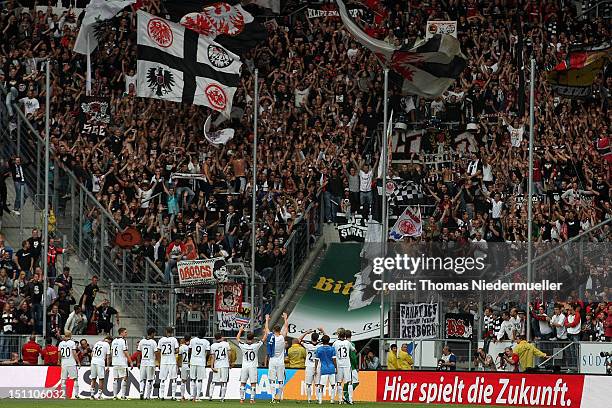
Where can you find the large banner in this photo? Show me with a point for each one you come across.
(95, 116)
(330, 11)
(441, 27)
(202, 271)
(591, 361)
(228, 297)
(418, 320)
(459, 325)
(325, 303)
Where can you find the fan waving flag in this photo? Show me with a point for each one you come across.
(220, 136)
(227, 22)
(96, 12)
(179, 65)
(427, 69)
(409, 224)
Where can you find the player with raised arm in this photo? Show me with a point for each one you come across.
(148, 349)
(344, 375)
(198, 347)
(184, 366)
(275, 346)
(326, 360)
(120, 360)
(70, 362)
(311, 377)
(100, 359)
(354, 368)
(168, 348)
(220, 364)
(248, 372)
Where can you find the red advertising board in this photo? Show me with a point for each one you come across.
(479, 388)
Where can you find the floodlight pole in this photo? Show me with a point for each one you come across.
(254, 198)
(530, 194)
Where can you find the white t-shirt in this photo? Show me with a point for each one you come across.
(220, 351)
(249, 354)
(279, 350)
(311, 353)
(184, 353)
(147, 348)
(343, 348)
(31, 105)
(118, 346)
(199, 347)
(99, 353)
(128, 81)
(168, 347)
(561, 332)
(496, 208)
(365, 181)
(65, 349)
(516, 135)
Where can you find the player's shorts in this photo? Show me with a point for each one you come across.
(248, 375)
(167, 371)
(119, 372)
(147, 373)
(185, 373)
(324, 379)
(355, 375)
(197, 372)
(343, 375)
(96, 371)
(70, 372)
(276, 371)
(221, 376)
(312, 377)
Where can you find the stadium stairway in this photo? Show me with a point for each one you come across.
(19, 228)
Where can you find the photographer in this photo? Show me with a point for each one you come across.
(448, 361)
(509, 360)
(483, 361)
(371, 361)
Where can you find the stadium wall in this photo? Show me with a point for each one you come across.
(457, 388)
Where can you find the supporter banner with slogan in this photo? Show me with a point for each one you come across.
(95, 116)
(353, 230)
(418, 320)
(228, 297)
(441, 27)
(231, 321)
(326, 302)
(180, 65)
(330, 11)
(574, 77)
(459, 325)
(202, 271)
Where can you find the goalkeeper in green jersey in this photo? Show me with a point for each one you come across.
(354, 367)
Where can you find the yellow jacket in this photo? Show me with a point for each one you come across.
(392, 363)
(296, 356)
(526, 352)
(404, 360)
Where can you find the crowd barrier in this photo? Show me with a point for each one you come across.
(429, 387)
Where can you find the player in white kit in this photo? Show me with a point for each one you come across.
(275, 346)
(120, 360)
(168, 348)
(199, 347)
(311, 377)
(100, 359)
(70, 361)
(148, 349)
(219, 362)
(184, 365)
(344, 373)
(248, 372)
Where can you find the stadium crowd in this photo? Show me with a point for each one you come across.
(321, 100)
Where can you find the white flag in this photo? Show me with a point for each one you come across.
(220, 136)
(97, 10)
(409, 224)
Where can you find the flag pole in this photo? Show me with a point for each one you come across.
(530, 194)
(45, 240)
(254, 199)
(385, 221)
(88, 79)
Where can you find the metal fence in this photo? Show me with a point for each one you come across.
(425, 353)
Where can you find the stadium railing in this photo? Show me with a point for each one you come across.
(427, 352)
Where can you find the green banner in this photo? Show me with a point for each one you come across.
(325, 303)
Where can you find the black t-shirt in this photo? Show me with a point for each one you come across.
(35, 291)
(23, 322)
(35, 246)
(573, 228)
(90, 291)
(105, 314)
(24, 258)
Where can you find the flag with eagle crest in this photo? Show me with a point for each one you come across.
(180, 65)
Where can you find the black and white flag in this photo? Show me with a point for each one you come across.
(180, 65)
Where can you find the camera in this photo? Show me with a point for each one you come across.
(440, 366)
(476, 354)
(501, 355)
(605, 354)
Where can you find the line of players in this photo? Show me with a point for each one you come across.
(325, 364)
